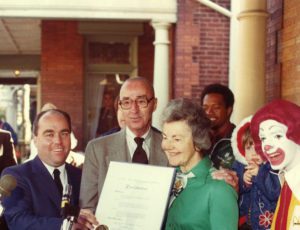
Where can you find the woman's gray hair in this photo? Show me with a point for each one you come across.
(189, 110)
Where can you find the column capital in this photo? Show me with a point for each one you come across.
(160, 25)
(161, 29)
(253, 8)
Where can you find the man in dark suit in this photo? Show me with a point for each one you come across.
(6, 150)
(6, 126)
(137, 102)
(6, 159)
(36, 201)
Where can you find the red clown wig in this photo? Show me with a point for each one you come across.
(281, 111)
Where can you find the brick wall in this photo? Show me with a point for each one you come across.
(201, 47)
(62, 70)
(273, 64)
(146, 52)
(290, 88)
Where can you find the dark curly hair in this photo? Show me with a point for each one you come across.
(219, 89)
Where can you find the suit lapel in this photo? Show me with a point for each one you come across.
(119, 149)
(74, 182)
(45, 183)
(157, 156)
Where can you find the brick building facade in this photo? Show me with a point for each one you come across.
(201, 47)
(62, 69)
(290, 51)
(199, 55)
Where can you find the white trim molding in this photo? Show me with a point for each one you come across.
(165, 10)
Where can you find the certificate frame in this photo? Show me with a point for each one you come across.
(135, 196)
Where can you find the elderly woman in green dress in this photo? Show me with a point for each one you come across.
(197, 201)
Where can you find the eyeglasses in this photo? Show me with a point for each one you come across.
(142, 102)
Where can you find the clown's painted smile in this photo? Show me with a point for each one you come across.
(277, 148)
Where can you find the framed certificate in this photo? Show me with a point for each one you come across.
(135, 196)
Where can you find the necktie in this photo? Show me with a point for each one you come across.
(57, 181)
(139, 155)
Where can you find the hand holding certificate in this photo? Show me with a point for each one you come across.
(134, 196)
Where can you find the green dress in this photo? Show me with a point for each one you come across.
(204, 203)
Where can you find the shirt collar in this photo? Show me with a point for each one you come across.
(51, 168)
(293, 180)
(201, 170)
(130, 134)
(132, 145)
(224, 133)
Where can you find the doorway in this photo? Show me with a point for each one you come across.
(17, 111)
(111, 58)
(101, 93)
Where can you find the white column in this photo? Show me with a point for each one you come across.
(249, 79)
(26, 114)
(233, 53)
(161, 69)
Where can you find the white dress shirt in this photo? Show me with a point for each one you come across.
(132, 145)
(63, 173)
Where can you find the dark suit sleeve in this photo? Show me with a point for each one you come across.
(7, 158)
(19, 213)
(7, 126)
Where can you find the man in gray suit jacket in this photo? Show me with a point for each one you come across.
(137, 102)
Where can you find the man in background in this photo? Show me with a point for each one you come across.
(107, 115)
(7, 158)
(6, 126)
(120, 118)
(7, 153)
(217, 100)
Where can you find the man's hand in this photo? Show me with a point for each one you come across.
(228, 175)
(85, 221)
